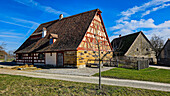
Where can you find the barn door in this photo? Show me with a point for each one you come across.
(60, 59)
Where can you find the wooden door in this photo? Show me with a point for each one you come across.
(60, 59)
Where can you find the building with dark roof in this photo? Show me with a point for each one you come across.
(69, 41)
(2, 54)
(134, 45)
(164, 56)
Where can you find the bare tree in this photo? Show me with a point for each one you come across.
(11, 53)
(98, 55)
(157, 43)
(117, 46)
(2, 46)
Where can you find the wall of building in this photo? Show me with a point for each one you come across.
(70, 59)
(50, 58)
(86, 57)
(164, 57)
(166, 51)
(141, 48)
(88, 48)
(31, 58)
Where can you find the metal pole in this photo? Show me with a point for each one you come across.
(99, 68)
(5, 58)
(99, 62)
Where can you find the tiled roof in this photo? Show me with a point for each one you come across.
(54, 35)
(70, 31)
(122, 44)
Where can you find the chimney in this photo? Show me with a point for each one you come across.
(120, 35)
(61, 16)
(44, 32)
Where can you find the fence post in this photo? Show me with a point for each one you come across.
(110, 63)
(147, 63)
(138, 63)
(117, 63)
(5, 58)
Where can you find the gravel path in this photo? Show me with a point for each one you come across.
(161, 67)
(74, 71)
(86, 79)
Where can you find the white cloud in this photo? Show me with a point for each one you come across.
(155, 9)
(11, 36)
(125, 25)
(112, 37)
(24, 21)
(162, 29)
(142, 23)
(14, 23)
(10, 32)
(164, 32)
(122, 32)
(134, 24)
(37, 5)
(8, 42)
(166, 24)
(19, 22)
(131, 11)
(32, 28)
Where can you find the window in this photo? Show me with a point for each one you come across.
(19, 56)
(29, 54)
(85, 51)
(41, 56)
(147, 49)
(168, 53)
(51, 40)
(137, 49)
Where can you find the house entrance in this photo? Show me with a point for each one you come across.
(60, 59)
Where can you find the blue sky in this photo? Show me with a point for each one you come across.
(19, 18)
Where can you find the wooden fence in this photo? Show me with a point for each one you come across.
(126, 63)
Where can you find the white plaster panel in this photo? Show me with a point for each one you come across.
(50, 59)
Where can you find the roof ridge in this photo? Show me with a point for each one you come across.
(72, 16)
(128, 35)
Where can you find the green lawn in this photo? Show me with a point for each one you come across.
(148, 74)
(27, 86)
(1, 59)
(8, 60)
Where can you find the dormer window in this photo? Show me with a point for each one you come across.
(44, 32)
(53, 38)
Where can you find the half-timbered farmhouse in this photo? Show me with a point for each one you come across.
(66, 42)
(164, 56)
(134, 45)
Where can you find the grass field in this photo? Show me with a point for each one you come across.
(27, 86)
(148, 74)
(8, 60)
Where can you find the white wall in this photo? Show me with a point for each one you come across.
(50, 60)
